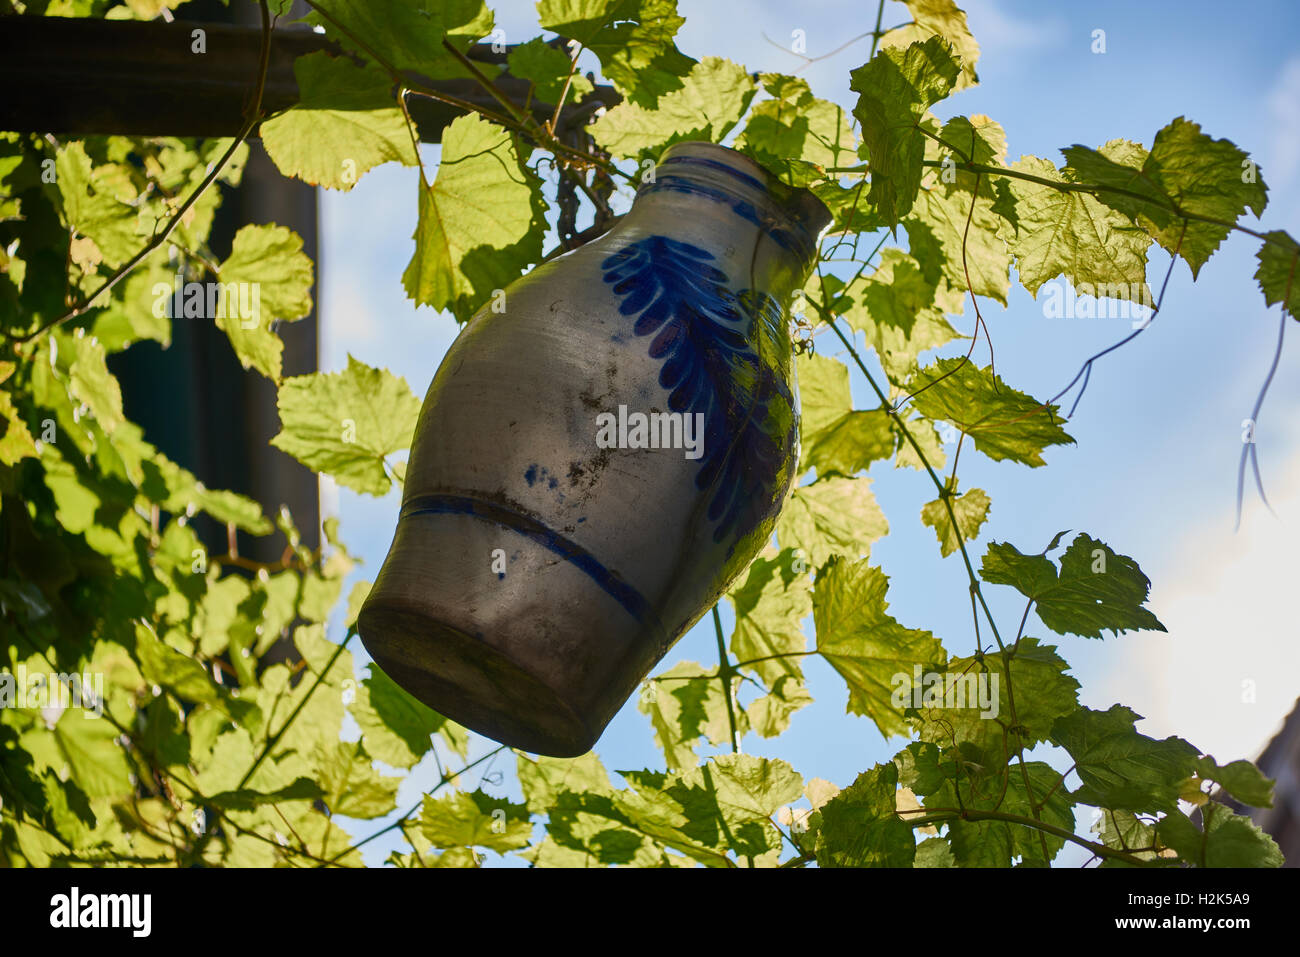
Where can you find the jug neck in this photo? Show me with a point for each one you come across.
(762, 231)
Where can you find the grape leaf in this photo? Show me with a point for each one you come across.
(1119, 767)
(408, 36)
(1097, 590)
(475, 819)
(93, 384)
(395, 727)
(864, 643)
(859, 827)
(345, 122)
(683, 704)
(1004, 422)
(971, 510)
(1279, 271)
(345, 423)
(480, 221)
(276, 276)
(941, 18)
(895, 89)
(834, 436)
(1071, 233)
(1205, 176)
(1043, 692)
(770, 605)
(1241, 779)
(832, 516)
(547, 68)
(712, 99)
(632, 38)
(1227, 840)
(796, 135)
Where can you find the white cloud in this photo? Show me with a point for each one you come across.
(1228, 601)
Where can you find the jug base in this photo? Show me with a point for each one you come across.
(466, 680)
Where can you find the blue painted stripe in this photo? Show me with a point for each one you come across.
(756, 183)
(794, 240)
(632, 601)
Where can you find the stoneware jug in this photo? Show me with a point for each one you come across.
(597, 462)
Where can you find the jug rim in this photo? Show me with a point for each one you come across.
(792, 215)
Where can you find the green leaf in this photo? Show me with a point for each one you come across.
(543, 779)
(996, 843)
(92, 205)
(1125, 831)
(475, 819)
(769, 715)
(971, 510)
(302, 789)
(1119, 767)
(939, 236)
(1228, 839)
(860, 827)
(1097, 590)
(1119, 164)
(16, 441)
(833, 516)
(275, 277)
(934, 852)
(345, 423)
(895, 89)
(547, 68)
(632, 38)
(953, 709)
(346, 121)
(711, 101)
(683, 704)
(941, 18)
(480, 220)
(95, 759)
(864, 643)
(1279, 271)
(92, 383)
(1004, 422)
(796, 135)
(746, 788)
(182, 675)
(770, 604)
(1071, 233)
(1205, 176)
(834, 436)
(408, 36)
(395, 727)
(350, 783)
(1241, 779)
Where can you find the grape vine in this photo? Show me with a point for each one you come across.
(216, 747)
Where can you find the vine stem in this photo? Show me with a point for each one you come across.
(444, 779)
(275, 738)
(251, 119)
(944, 497)
(946, 815)
(725, 671)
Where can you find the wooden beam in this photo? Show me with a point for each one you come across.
(83, 77)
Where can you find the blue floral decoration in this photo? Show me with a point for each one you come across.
(704, 333)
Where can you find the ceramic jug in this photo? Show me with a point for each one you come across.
(597, 462)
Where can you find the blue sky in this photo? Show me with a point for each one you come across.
(1158, 434)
